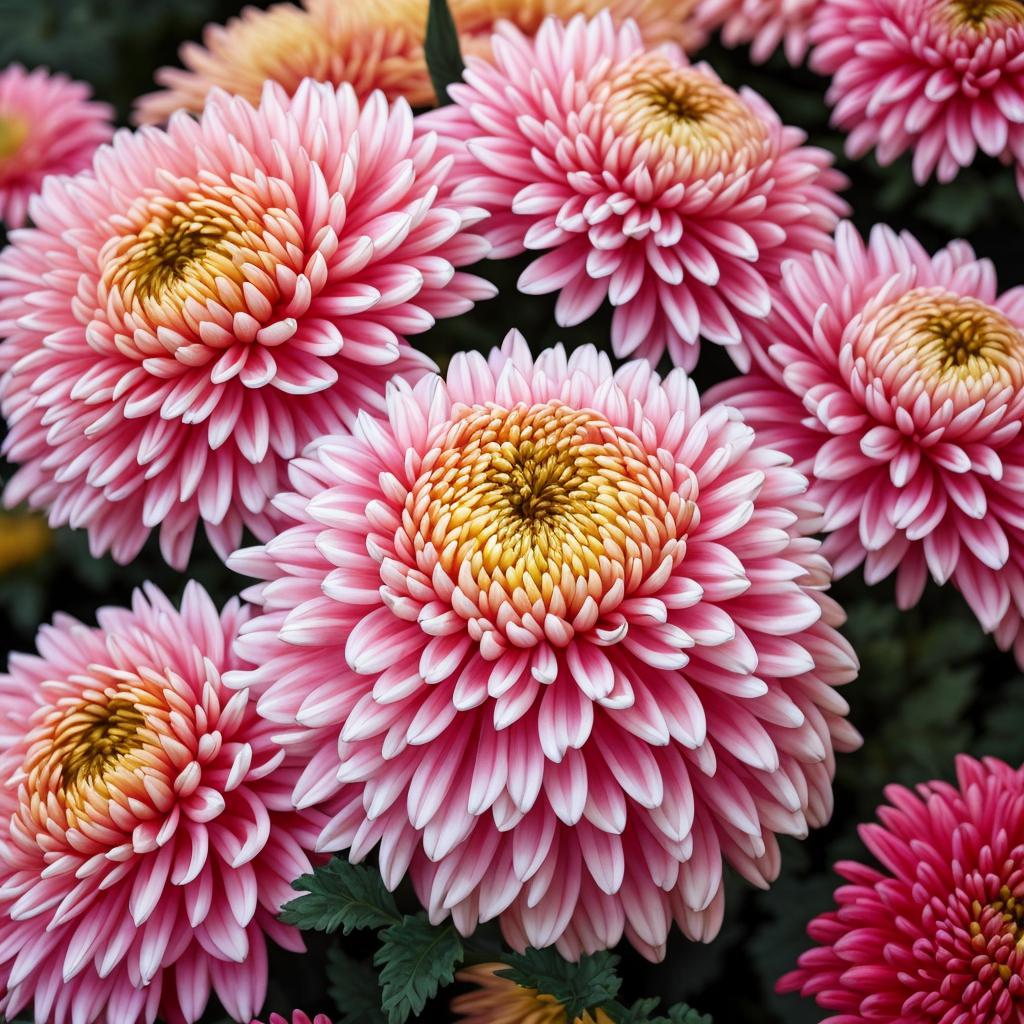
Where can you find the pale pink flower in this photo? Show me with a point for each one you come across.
(48, 125)
(895, 379)
(187, 316)
(557, 643)
(647, 181)
(148, 836)
(935, 934)
(943, 78)
(764, 24)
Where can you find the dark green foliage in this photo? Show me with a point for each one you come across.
(341, 895)
(354, 988)
(415, 960)
(644, 1011)
(582, 986)
(444, 57)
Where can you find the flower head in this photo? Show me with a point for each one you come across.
(647, 181)
(48, 125)
(935, 934)
(215, 297)
(764, 24)
(497, 1000)
(558, 643)
(943, 78)
(373, 44)
(148, 836)
(895, 379)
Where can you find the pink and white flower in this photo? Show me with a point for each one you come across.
(764, 24)
(557, 643)
(644, 179)
(187, 316)
(895, 379)
(148, 837)
(48, 125)
(943, 78)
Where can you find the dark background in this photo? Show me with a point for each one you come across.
(931, 684)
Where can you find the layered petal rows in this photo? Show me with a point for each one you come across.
(644, 180)
(187, 316)
(895, 379)
(148, 837)
(557, 643)
(935, 933)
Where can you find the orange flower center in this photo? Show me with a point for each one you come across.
(96, 737)
(978, 13)
(13, 132)
(544, 508)
(950, 338)
(653, 99)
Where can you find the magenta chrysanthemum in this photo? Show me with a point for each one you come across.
(896, 381)
(764, 24)
(298, 1017)
(558, 643)
(650, 182)
(944, 78)
(148, 835)
(189, 315)
(48, 125)
(937, 935)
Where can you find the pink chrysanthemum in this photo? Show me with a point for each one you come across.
(48, 125)
(558, 643)
(649, 182)
(764, 24)
(944, 78)
(148, 837)
(937, 935)
(298, 1017)
(188, 316)
(896, 381)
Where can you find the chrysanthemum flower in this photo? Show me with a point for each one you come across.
(647, 181)
(497, 1000)
(48, 125)
(896, 381)
(148, 837)
(188, 316)
(764, 24)
(373, 44)
(944, 78)
(298, 1017)
(937, 933)
(558, 643)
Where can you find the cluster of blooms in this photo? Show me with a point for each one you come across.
(552, 638)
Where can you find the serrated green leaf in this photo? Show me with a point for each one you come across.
(354, 988)
(642, 1012)
(341, 895)
(582, 986)
(415, 959)
(444, 57)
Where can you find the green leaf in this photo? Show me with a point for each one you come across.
(354, 988)
(416, 958)
(444, 58)
(341, 895)
(641, 1012)
(577, 986)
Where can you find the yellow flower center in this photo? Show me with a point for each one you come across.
(542, 508)
(95, 738)
(978, 13)
(949, 338)
(13, 132)
(654, 99)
